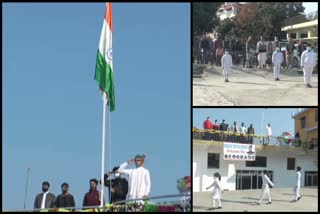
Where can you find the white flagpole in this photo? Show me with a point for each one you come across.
(25, 195)
(104, 97)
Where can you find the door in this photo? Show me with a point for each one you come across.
(311, 178)
(250, 179)
(246, 181)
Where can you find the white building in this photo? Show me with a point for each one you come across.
(303, 27)
(228, 10)
(280, 161)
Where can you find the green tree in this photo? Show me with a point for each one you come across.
(226, 29)
(265, 18)
(204, 16)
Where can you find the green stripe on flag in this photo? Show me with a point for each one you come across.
(104, 77)
(287, 141)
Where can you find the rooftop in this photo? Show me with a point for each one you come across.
(301, 18)
(299, 112)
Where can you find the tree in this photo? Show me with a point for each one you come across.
(226, 29)
(204, 16)
(265, 18)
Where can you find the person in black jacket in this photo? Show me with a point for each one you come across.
(250, 132)
(223, 127)
(204, 46)
(117, 186)
(65, 199)
(45, 199)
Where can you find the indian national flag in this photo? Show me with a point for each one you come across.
(104, 67)
(286, 137)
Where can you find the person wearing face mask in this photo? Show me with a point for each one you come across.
(139, 178)
(277, 59)
(45, 199)
(308, 62)
(226, 63)
(117, 186)
(65, 199)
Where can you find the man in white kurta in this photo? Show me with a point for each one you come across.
(265, 187)
(297, 186)
(262, 50)
(139, 178)
(308, 61)
(277, 59)
(269, 133)
(226, 63)
(217, 189)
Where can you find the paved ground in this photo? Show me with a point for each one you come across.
(253, 87)
(245, 201)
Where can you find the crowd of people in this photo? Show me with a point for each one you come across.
(138, 187)
(238, 134)
(265, 190)
(226, 53)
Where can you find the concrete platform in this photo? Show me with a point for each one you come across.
(246, 201)
(253, 87)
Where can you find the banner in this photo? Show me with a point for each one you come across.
(239, 152)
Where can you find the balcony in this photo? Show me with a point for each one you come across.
(219, 136)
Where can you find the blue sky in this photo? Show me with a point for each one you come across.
(279, 118)
(310, 6)
(52, 109)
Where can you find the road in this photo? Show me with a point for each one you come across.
(245, 201)
(253, 87)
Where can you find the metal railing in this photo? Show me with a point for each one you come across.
(228, 136)
(130, 205)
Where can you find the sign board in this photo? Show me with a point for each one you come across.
(239, 152)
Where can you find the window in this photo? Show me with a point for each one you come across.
(316, 113)
(259, 162)
(213, 161)
(293, 35)
(304, 35)
(303, 122)
(291, 163)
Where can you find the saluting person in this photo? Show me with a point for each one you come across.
(139, 178)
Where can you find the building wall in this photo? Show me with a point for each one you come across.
(310, 27)
(276, 161)
(310, 115)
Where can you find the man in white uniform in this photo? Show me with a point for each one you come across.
(139, 178)
(226, 63)
(265, 187)
(297, 187)
(308, 61)
(216, 193)
(277, 59)
(269, 132)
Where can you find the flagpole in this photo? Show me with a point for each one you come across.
(25, 195)
(104, 97)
